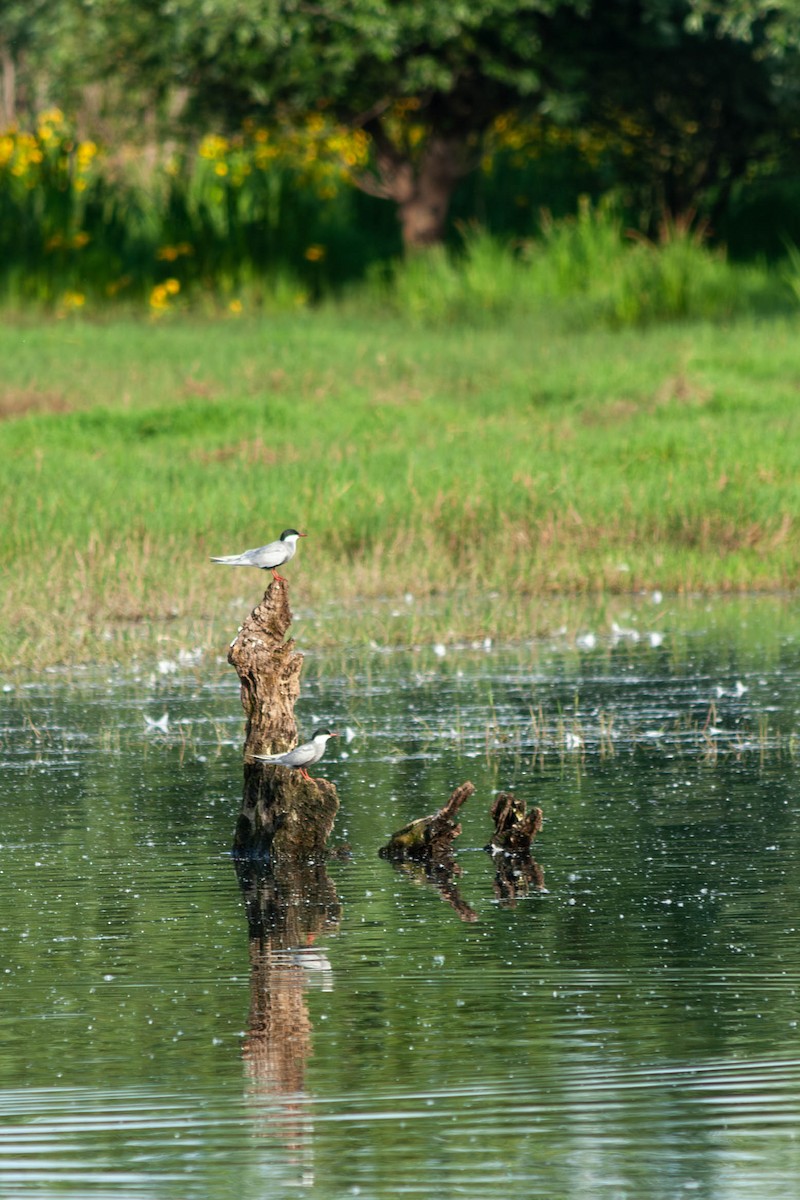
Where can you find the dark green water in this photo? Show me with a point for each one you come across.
(631, 1031)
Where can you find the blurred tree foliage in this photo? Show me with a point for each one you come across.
(689, 97)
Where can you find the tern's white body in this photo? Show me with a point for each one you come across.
(266, 558)
(301, 756)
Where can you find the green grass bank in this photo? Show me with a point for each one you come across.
(475, 468)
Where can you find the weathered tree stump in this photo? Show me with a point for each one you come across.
(282, 814)
(429, 837)
(514, 827)
(516, 872)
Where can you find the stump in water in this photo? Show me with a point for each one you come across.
(424, 849)
(514, 830)
(514, 827)
(429, 837)
(282, 813)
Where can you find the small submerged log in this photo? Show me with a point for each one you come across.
(429, 837)
(516, 872)
(282, 813)
(423, 850)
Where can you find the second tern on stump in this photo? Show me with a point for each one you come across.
(302, 756)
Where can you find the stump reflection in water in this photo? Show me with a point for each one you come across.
(288, 906)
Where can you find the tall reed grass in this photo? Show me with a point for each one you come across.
(588, 270)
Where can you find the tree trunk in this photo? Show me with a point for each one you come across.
(423, 214)
(282, 814)
(422, 187)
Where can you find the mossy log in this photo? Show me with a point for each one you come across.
(423, 850)
(429, 838)
(283, 814)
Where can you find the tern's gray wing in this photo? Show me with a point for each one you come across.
(271, 555)
(301, 756)
(268, 556)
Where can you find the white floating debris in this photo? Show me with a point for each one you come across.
(156, 726)
(573, 741)
(167, 666)
(737, 690)
(621, 634)
(190, 656)
(655, 638)
(349, 735)
(439, 649)
(586, 641)
(409, 597)
(487, 643)
(657, 597)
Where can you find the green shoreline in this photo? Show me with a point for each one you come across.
(518, 460)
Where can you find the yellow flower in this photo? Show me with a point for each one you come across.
(171, 253)
(81, 238)
(235, 307)
(71, 302)
(51, 116)
(221, 168)
(86, 152)
(172, 286)
(213, 146)
(159, 298)
(315, 253)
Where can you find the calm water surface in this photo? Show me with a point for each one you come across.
(629, 1031)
